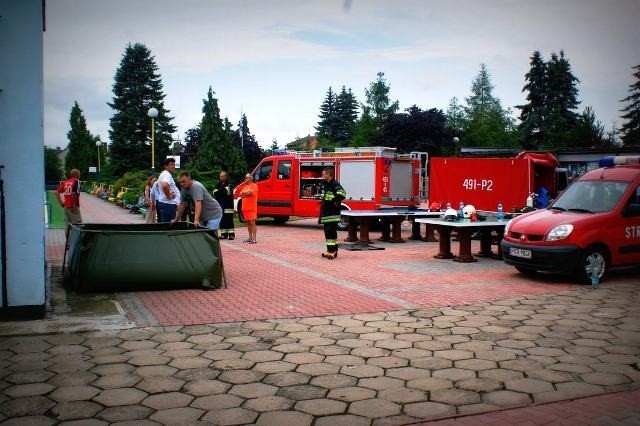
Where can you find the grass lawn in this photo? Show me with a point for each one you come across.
(56, 213)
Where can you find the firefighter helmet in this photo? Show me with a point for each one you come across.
(468, 211)
(451, 215)
(435, 206)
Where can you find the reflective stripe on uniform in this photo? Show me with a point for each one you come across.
(329, 196)
(228, 210)
(327, 219)
(332, 242)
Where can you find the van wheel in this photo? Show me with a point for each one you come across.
(280, 219)
(240, 216)
(593, 257)
(526, 271)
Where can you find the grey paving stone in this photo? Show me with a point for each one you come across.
(454, 396)
(253, 390)
(528, 385)
(374, 408)
(156, 371)
(500, 374)
(287, 379)
(570, 368)
(318, 369)
(290, 348)
(479, 385)
(505, 398)
(280, 418)
(454, 374)
(28, 389)
(476, 408)
(73, 379)
(330, 350)
(26, 406)
(125, 413)
(388, 361)
(28, 420)
(475, 364)
(168, 400)
(112, 381)
(74, 393)
(332, 381)
(219, 354)
(431, 363)
(125, 396)
(24, 377)
(351, 393)
(407, 373)
(321, 407)
(206, 387)
(240, 376)
(605, 379)
(403, 395)
(74, 410)
(550, 376)
(380, 383)
(344, 360)
(120, 368)
(154, 385)
(429, 410)
(274, 367)
(144, 360)
(343, 420)
(194, 374)
(392, 344)
(263, 356)
(177, 416)
(362, 371)
(302, 392)
(217, 402)
(268, 403)
(233, 364)
(520, 365)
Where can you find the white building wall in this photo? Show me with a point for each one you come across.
(22, 153)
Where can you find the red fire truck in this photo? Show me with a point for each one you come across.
(487, 182)
(290, 183)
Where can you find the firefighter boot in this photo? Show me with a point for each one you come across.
(330, 254)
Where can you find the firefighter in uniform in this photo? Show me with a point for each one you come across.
(332, 195)
(223, 193)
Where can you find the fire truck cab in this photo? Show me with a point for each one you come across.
(592, 226)
(290, 183)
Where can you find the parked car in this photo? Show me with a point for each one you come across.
(592, 226)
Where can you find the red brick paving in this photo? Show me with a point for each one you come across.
(618, 408)
(284, 276)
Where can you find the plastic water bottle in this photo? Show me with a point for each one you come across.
(461, 210)
(595, 279)
(499, 215)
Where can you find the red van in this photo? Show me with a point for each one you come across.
(592, 226)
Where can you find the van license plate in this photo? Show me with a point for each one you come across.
(518, 252)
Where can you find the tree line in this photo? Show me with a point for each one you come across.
(548, 120)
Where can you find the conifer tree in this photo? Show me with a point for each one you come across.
(562, 102)
(631, 128)
(192, 142)
(347, 114)
(455, 116)
(533, 115)
(138, 87)
(243, 139)
(216, 151)
(488, 124)
(328, 125)
(82, 144)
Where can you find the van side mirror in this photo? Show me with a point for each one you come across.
(631, 210)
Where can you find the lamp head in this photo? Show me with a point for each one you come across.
(153, 113)
(98, 144)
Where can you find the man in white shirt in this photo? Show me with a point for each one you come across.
(169, 194)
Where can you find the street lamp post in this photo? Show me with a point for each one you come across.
(98, 145)
(153, 113)
(456, 147)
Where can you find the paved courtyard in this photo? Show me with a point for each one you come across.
(374, 337)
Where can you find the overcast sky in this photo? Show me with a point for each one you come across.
(275, 59)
